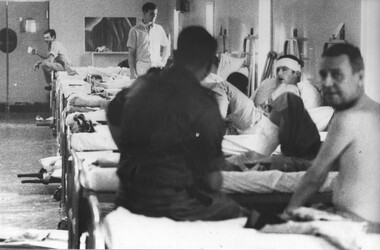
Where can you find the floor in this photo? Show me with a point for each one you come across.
(22, 144)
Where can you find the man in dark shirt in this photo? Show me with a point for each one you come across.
(170, 143)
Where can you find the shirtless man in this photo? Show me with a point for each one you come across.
(352, 144)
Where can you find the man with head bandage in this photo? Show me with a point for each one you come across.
(292, 113)
(288, 79)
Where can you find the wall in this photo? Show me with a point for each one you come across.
(370, 41)
(315, 20)
(67, 18)
(238, 17)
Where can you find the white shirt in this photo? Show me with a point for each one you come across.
(60, 53)
(148, 41)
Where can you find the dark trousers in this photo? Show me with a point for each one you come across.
(298, 134)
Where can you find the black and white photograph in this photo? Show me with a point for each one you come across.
(190, 124)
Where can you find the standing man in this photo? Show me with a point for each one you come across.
(57, 58)
(352, 144)
(145, 41)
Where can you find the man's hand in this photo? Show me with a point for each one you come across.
(287, 214)
(37, 65)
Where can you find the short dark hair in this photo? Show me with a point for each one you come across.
(196, 47)
(353, 53)
(300, 62)
(51, 33)
(148, 6)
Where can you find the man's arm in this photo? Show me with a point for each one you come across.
(37, 53)
(338, 139)
(213, 181)
(132, 62)
(165, 55)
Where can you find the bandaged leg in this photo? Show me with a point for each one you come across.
(266, 135)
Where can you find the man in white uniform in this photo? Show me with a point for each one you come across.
(57, 59)
(144, 43)
(352, 144)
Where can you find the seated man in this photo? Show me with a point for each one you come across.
(57, 58)
(170, 140)
(352, 145)
(288, 75)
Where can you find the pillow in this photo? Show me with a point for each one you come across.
(321, 116)
(229, 64)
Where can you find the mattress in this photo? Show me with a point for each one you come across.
(125, 230)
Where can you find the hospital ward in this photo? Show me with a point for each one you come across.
(190, 124)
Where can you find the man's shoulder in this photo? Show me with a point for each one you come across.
(138, 26)
(306, 85)
(158, 26)
(56, 43)
(56, 46)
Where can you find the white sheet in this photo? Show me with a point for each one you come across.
(69, 84)
(267, 181)
(32, 238)
(94, 116)
(99, 140)
(238, 144)
(99, 179)
(264, 182)
(124, 230)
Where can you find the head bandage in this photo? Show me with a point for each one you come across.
(290, 63)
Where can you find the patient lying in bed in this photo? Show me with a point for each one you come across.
(240, 112)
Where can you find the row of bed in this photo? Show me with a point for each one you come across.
(89, 183)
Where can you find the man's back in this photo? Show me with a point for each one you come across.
(171, 139)
(357, 187)
(60, 53)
